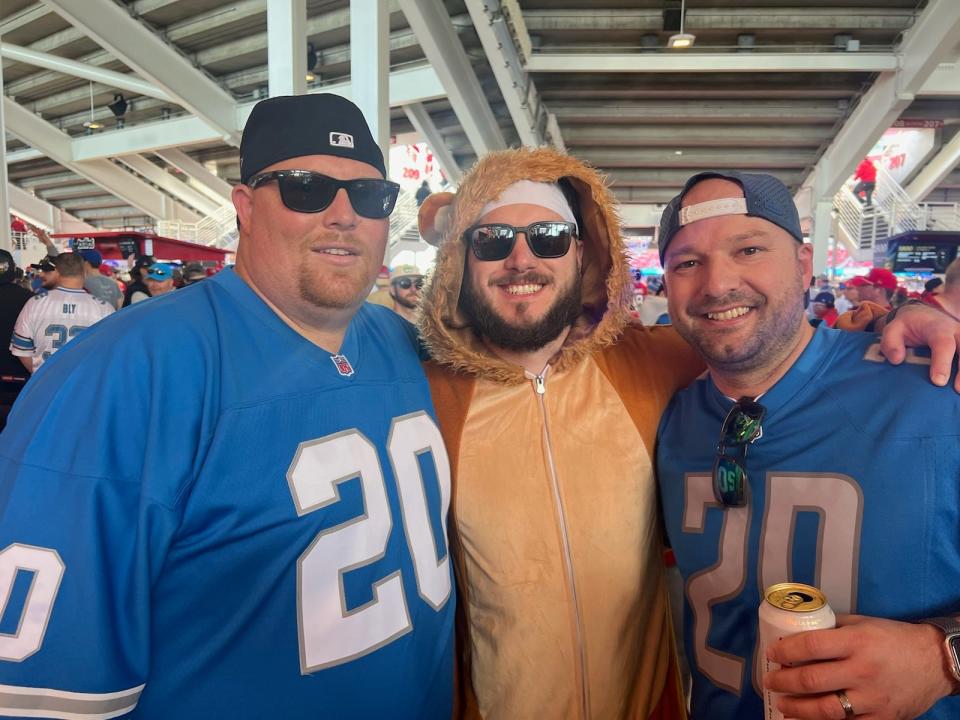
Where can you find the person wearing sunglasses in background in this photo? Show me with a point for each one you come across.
(269, 538)
(803, 484)
(406, 282)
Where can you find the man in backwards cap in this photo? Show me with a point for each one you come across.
(268, 539)
(802, 485)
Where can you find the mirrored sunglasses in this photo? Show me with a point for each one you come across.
(495, 241)
(742, 426)
(312, 192)
(406, 283)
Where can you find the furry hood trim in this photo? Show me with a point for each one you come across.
(444, 217)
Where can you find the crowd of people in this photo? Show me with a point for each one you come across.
(54, 300)
(271, 495)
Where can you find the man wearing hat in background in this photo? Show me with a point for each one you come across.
(47, 272)
(193, 273)
(268, 539)
(57, 315)
(98, 285)
(878, 287)
(159, 280)
(137, 290)
(406, 282)
(824, 310)
(802, 486)
(13, 297)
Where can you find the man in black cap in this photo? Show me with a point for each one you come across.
(272, 519)
(12, 299)
(804, 485)
(47, 270)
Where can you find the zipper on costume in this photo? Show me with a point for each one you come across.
(539, 385)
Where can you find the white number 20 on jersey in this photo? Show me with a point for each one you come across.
(330, 634)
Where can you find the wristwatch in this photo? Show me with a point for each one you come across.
(951, 630)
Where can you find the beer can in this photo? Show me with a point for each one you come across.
(788, 609)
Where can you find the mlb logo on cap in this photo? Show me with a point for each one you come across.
(338, 139)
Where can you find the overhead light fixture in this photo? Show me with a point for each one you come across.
(92, 124)
(682, 39)
(678, 152)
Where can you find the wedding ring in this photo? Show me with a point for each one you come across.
(845, 704)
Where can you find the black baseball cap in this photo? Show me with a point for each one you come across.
(764, 196)
(46, 264)
(289, 126)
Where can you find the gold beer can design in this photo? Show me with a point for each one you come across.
(788, 609)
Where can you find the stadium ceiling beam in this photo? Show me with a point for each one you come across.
(409, 85)
(681, 62)
(440, 43)
(171, 184)
(727, 18)
(26, 16)
(424, 125)
(112, 27)
(944, 81)
(932, 40)
(518, 90)
(42, 213)
(934, 172)
(114, 79)
(215, 187)
(56, 145)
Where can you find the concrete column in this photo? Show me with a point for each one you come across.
(370, 67)
(820, 234)
(287, 47)
(5, 241)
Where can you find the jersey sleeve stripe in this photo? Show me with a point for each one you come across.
(48, 703)
(21, 342)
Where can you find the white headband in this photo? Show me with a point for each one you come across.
(527, 192)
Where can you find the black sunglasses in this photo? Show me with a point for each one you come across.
(406, 283)
(495, 241)
(740, 428)
(312, 192)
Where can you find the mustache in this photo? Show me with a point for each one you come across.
(725, 302)
(524, 278)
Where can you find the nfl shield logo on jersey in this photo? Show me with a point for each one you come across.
(343, 365)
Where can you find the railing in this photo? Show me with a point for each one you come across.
(941, 216)
(404, 216)
(891, 212)
(220, 228)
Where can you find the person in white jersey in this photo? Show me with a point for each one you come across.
(53, 317)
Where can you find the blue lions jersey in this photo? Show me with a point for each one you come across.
(854, 488)
(204, 515)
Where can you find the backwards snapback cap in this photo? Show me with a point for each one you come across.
(763, 196)
(290, 126)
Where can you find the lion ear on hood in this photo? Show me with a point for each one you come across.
(433, 219)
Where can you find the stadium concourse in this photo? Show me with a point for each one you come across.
(270, 271)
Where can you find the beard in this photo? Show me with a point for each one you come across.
(334, 288)
(402, 301)
(565, 310)
(772, 339)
